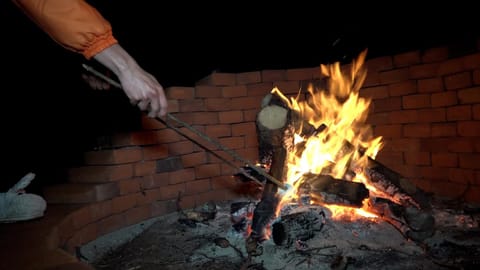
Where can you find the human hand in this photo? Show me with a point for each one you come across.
(144, 91)
(140, 86)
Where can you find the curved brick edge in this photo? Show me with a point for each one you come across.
(93, 220)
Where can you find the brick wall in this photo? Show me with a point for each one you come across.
(426, 105)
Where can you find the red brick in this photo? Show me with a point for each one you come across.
(447, 189)
(243, 129)
(217, 104)
(463, 112)
(387, 104)
(469, 161)
(417, 158)
(173, 106)
(233, 142)
(388, 131)
(230, 117)
(301, 74)
(459, 80)
(471, 61)
(249, 77)
(123, 203)
(154, 181)
(417, 130)
(444, 130)
(287, 87)
(259, 89)
(469, 128)
(435, 145)
(180, 92)
(110, 224)
(402, 88)
(462, 176)
(137, 214)
(81, 217)
(205, 118)
(378, 119)
(273, 75)
(218, 131)
(243, 103)
(179, 148)
(148, 196)
(444, 99)
(372, 79)
(180, 176)
(403, 145)
(223, 182)
(476, 111)
(194, 159)
(100, 210)
(403, 116)
(219, 79)
(250, 115)
(207, 170)
(430, 85)
(171, 191)
(143, 138)
(461, 145)
(187, 202)
(100, 174)
(117, 156)
(250, 154)
(151, 123)
(251, 140)
(155, 152)
(202, 91)
(144, 168)
(191, 105)
(198, 186)
(432, 115)
(451, 66)
(423, 71)
(377, 92)
(476, 77)
(234, 91)
(219, 156)
(396, 75)
(435, 54)
(406, 59)
(473, 194)
(416, 101)
(129, 186)
(434, 173)
(444, 160)
(470, 95)
(380, 63)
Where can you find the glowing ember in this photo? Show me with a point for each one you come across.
(345, 143)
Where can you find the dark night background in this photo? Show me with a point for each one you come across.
(50, 116)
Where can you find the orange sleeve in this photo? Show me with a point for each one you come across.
(74, 24)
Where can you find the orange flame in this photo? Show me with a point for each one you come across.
(345, 143)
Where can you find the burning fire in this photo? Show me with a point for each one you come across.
(344, 144)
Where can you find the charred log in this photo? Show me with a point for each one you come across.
(326, 189)
(299, 226)
(397, 187)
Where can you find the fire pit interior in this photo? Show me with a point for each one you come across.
(335, 206)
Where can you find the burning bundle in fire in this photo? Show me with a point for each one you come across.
(319, 143)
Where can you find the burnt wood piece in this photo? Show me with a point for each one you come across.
(328, 190)
(299, 226)
(398, 188)
(413, 223)
(264, 214)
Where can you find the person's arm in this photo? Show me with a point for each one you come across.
(79, 27)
